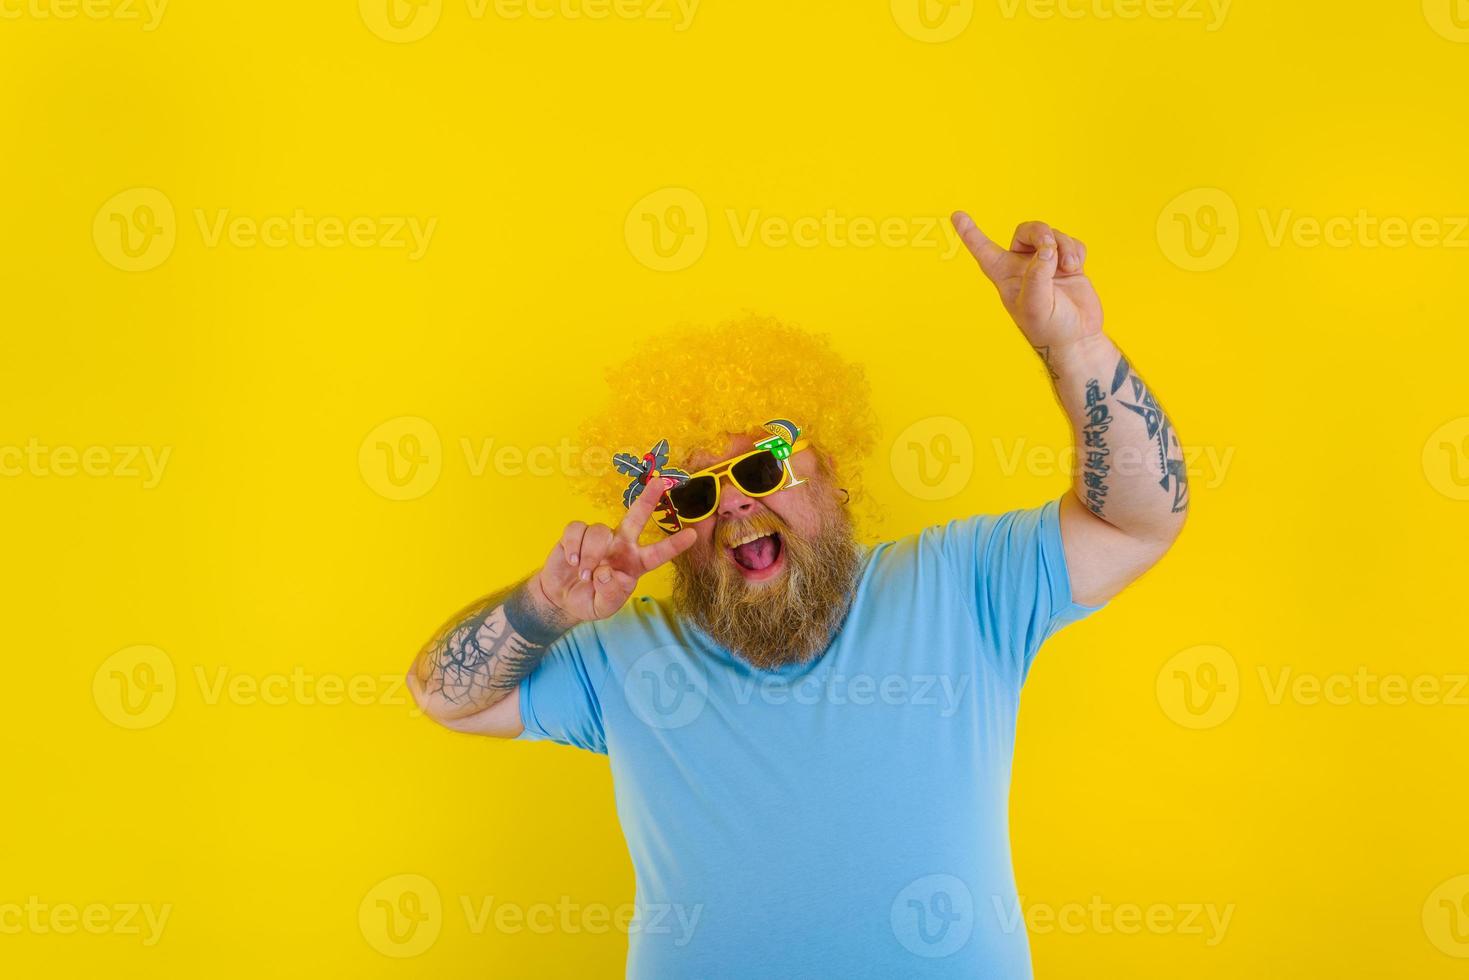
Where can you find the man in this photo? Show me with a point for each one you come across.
(811, 744)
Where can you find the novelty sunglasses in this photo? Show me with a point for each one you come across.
(758, 473)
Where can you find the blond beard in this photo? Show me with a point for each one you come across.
(789, 619)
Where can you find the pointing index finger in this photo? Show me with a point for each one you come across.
(985, 252)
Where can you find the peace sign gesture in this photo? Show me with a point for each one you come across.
(593, 569)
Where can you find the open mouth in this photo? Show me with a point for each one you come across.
(757, 555)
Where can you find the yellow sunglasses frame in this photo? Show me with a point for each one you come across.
(720, 472)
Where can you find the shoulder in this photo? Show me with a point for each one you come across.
(644, 623)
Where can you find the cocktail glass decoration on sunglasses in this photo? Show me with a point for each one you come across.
(782, 442)
(652, 465)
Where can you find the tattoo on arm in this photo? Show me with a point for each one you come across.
(1160, 429)
(1045, 353)
(483, 653)
(1096, 465)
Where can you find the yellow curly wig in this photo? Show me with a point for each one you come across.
(714, 380)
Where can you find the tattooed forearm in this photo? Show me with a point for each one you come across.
(1126, 447)
(1160, 429)
(485, 650)
(1095, 462)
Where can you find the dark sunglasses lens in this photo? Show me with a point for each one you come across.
(695, 498)
(760, 473)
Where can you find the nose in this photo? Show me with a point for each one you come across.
(733, 503)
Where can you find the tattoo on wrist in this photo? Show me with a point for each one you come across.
(527, 620)
(1160, 429)
(1097, 463)
(488, 649)
(1045, 353)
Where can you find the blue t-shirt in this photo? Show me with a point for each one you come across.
(846, 817)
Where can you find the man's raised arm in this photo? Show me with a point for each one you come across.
(1130, 491)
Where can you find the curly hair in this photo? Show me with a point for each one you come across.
(729, 378)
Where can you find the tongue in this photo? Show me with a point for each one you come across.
(758, 554)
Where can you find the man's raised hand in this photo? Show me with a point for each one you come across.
(1042, 282)
(593, 569)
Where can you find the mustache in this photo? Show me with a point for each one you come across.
(727, 532)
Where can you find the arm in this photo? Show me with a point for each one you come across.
(466, 675)
(1130, 493)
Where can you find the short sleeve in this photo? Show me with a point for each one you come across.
(1014, 567)
(560, 700)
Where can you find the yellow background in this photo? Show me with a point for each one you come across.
(1330, 544)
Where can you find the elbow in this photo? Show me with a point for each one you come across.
(434, 706)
